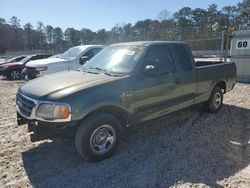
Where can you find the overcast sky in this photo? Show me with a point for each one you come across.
(95, 14)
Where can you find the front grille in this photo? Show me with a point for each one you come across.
(25, 105)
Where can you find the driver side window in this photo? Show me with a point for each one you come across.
(160, 57)
(91, 53)
(36, 57)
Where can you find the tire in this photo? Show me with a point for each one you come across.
(23, 73)
(98, 137)
(15, 75)
(213, 105)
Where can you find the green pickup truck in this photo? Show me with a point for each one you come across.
(125, 84)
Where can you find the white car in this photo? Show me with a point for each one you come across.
(72, 59)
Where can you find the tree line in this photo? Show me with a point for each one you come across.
(186, 24)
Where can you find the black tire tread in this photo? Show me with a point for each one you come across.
(86, 128)
(208, 103)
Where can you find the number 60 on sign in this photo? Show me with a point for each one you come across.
(243, 44)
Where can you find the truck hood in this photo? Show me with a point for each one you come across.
(43, 62)
(61, 84)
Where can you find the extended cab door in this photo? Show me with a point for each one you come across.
(154, 92)
(185, 75)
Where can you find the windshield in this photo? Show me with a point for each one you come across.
(119, 59)
(72, 53)
(26, 59)
(12, 59)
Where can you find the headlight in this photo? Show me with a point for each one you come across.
(41, 68)
(53, 111)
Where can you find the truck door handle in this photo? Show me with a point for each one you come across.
(177, 81)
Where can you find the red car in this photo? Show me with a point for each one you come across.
(14, 59)
(13, 70)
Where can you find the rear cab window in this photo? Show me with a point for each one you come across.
(184, 57)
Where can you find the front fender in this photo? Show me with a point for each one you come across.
(110, 94)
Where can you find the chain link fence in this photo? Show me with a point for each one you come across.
(10, 54)
(206, 47)
(211, 47)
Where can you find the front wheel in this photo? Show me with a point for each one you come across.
(23, 74)
(98, 137)
(215, 101)
(15, 75)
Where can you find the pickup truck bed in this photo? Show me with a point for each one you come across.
(204, 63)
(208, 73)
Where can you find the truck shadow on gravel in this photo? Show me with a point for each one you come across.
(188, 146)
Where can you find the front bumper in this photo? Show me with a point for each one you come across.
(29, 73)
(4, 72)
(40, 128)
(45, 130)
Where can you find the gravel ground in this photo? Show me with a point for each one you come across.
(189, 148)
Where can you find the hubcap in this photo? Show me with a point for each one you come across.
(102, 139)
(15, 74)
(217, 100)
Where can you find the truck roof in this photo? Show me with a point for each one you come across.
(148, 43)
(88, 46)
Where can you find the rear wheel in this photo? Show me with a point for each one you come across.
(15, 75)
(98, 137)
(215, 101)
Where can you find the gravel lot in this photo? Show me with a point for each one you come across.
(189, 148)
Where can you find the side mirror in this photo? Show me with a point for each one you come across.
(151, 70)
(83, 59)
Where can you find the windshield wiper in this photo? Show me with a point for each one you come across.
(105, 71)
(88, 71)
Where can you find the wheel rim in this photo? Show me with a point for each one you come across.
(15, 74)
(102, 139)
(217, 100)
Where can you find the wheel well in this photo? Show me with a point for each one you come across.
(117, 112)
(222, 85)
(15, 69)
(8, 74)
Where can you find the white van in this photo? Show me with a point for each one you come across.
(72, 59)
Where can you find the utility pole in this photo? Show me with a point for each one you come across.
(179, 31)
(248, 24)
(226, 50)
(222, 44)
